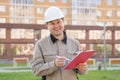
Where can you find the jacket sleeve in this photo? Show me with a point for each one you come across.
(39, 66)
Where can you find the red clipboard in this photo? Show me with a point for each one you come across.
(80, 58)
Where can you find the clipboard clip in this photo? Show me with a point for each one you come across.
(77, 52)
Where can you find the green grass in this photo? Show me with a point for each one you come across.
(19, 68)
(6, 65)
(101, 75)
(11, 64)
(92, 75)
(18, 76)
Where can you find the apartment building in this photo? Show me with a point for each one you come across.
(108, 11)
(77, 12)
(27, 11)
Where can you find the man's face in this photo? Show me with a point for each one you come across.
(56, 27)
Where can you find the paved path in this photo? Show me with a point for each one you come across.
(14, 69)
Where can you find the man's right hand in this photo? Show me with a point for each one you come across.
(60, 61)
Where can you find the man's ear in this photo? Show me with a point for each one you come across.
(47, 25)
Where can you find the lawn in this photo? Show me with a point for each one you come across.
(92, 75)
(11, 64)
(18, 76)
(101, 75)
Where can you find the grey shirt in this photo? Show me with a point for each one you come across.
(44, 65)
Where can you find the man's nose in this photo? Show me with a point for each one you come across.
(56, 25)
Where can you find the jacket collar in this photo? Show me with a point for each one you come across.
(54, 39)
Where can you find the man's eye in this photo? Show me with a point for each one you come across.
(52, 23)
(58, 22)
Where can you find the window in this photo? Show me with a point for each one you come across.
(118, 2)
(109, 2)
(108, 35)
(118, 13)
(21, 1)
(18, 1)
(109, 14)
(64, 11)
(117, 35)
(40, 21)
(41, 0)
(2, 49)
(74, 21)
(88, 22)
(74, 11)
(52, 0)
(78, 34)
(2, 20)
(95, 34)
(27, 2)
(22, 49)
(110, 23)
(99, 14)
(21, 13)
(22, 34)
(40, 10)
(2, 8)
(11, 1)
(12, 20)
(2, 33)
(99, 2)
(64, 1)
(74, 1)
(118, 23)
(83, 12)
(100, 48)
(44, 33)
(117, 47)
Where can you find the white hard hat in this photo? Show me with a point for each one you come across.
(53, 13)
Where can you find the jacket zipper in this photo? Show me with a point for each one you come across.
(58, 55)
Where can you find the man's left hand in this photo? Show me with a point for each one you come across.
(82, 67)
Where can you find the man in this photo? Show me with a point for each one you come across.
(51, 52)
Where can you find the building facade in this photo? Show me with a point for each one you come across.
(77, 12)
(20, 41)
(17, 40)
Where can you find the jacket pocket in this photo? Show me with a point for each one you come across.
(49, 55)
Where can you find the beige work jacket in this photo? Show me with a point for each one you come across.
(45, 65)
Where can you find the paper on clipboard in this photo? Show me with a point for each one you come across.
(80, 58)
